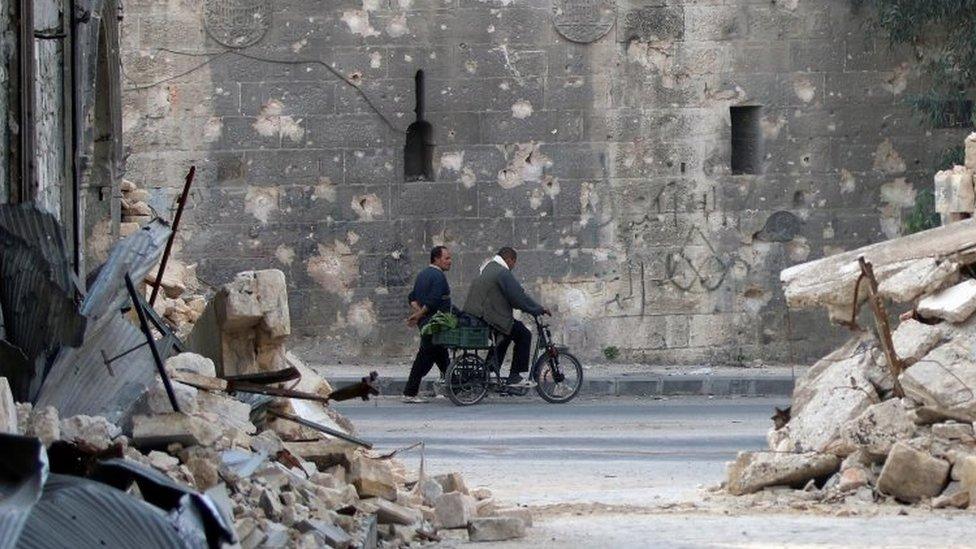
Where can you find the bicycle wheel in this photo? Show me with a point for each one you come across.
(467, 380)
(558, 378)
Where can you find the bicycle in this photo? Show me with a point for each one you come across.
(469, 378)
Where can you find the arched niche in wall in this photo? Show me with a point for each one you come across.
(418, 152)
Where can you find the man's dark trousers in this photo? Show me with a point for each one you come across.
(523, 347)
(427, 356)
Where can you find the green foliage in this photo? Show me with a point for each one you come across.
(941, 34)
(611, 352)
(952, 156)
(923, 216)
(440, 322)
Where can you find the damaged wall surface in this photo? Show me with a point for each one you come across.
(598, 142)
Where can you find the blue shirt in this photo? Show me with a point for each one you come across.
(431, 290)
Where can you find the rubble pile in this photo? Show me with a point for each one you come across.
(247, 425)
(182, 299)
(136, 211)
(877, 420)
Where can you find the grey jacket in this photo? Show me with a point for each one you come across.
(495, 294)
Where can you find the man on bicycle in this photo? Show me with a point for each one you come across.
(431, 293)
(492, 297)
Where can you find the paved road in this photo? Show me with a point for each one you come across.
(638, 456)
(620, 451)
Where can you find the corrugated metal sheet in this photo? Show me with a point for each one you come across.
(42, 510)
(80, 383)
(135, 254)
(38, 291)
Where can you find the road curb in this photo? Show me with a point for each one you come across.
(661, 386)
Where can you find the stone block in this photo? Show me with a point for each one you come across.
(970, 145)
(388, 512)
(230, 412)
(520, 513)
(372, 478)
(495, 529)
(965, 471)
(454, 510)
(955, 304)
(853, 478)
(753, 471)
(326, 533)
(953, 431)
(954, 192)
(914, 339)
(164, 429)
(911, 475)
(429, 490)
(8, 409)
(324, 454)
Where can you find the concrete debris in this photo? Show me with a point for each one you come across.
(753, 471)
(848, 404)
(955, 304)
(911, 475)
(281, 483)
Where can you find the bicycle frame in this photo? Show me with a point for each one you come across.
(543, 344)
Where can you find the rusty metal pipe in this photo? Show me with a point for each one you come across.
(169, 243)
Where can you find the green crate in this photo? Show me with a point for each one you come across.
(463, 338)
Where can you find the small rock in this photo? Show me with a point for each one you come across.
(270, 503)
(326, 533)
(268, 442)
(452, 482)
(953, 496)
(495, 529)
(481, 493)
(853, 478)
(429, 490)
(192, 363)
(372, 478)
(163, 461)
(965, 471)
(910, 475)
(45, 425)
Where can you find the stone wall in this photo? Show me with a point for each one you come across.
(607, 164)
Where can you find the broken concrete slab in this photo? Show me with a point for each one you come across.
(324, 453)
(753, 471)
(8, 408)
(388, 512)
(955, 304)
(918, 278)
(911, 475)
(157, 399)
(429, 490)
(495, 529)
(832, 279)
(914, 339)
(831, 393)
(944, 379)
(454, 510)
(163, 429)
(876, 430)
(326, 533)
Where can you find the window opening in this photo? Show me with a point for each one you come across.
(418, 152)
(747, 140)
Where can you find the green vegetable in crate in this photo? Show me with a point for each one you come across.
(440, 322)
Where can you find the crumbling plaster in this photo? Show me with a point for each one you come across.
(606, 164)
